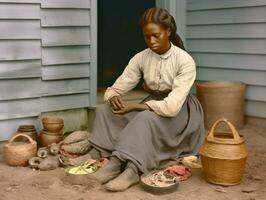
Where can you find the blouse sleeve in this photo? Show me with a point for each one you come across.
(171, 105)
(127, 80)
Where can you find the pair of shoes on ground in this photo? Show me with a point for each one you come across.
(114, 179)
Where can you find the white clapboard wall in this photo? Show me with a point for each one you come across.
(47, 59)
(228, 41)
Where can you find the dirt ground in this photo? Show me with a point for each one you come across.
(22, 183)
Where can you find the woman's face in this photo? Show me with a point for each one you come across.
(157, 37)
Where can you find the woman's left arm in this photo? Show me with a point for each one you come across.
(171, 105)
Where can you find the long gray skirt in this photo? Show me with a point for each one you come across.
(147, 139)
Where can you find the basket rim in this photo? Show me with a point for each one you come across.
(220, 84)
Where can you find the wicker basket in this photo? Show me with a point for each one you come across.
(17, 153)
(223, 156)
(222, 99)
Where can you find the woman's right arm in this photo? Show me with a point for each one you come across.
(127, 80)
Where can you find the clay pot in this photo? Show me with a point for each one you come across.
(47, 138)
(28, 130)
(53, 124)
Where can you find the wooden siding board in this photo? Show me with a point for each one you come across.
(20, 29)
(227, 16)
(65, 4)
(20, 50)
(218, 4)
(65, 55)
(65, 71)
(256, 109)
(230, 61)
(242, 46)
(256, 30)
(64, 102)
(20, 88)
(19, 108)
(256, 93)
(65, 17)
(19, 11)
(20, 69)
(64, 36)
(58, 87)
(9, 127)
(248, 76)
(20, 1)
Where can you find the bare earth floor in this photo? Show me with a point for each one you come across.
(22, 183)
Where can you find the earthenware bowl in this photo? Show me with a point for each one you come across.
(156, 189)
(53, 124)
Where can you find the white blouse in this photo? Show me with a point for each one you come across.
(174, 70)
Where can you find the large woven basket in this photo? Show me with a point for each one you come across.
(17, 153)
(223, 156)
(222, 99)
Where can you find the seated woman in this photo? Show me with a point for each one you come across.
(166, 125)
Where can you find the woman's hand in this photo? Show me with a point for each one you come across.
(116, 103)
(130, 107)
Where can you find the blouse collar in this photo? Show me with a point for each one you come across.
(166, 54)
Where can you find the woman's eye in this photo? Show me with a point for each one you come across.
(157, 35)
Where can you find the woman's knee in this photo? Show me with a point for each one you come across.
(145, 116)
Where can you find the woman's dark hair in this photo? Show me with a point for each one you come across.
(162, 17)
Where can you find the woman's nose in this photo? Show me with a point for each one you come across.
(152, 40)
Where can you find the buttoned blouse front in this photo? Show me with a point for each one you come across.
(175, 70)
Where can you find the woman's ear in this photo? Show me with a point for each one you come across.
(168, 32)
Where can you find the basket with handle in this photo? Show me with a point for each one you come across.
(223, 155)
(17, 153)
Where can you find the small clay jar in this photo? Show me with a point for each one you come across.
(28, 130)
(47, 138)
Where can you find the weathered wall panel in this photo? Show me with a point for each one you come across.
(65, 17)
(218, 4)
(19, 11)
(243, 46)
(19, 108)
(65, 71)
(230, 61)
(20, 69)
(227, 39)
(59, 87)
(64, 36)
(54, 103)
(66, 4)
(20, 50)
(65, 55)
(20, 29)
(227, 16)
(68, 37)
(254, 30)
(20, 88)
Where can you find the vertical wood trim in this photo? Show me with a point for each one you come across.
(93, 69)
(178, 9)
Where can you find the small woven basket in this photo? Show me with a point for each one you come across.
(223, 156)
(17, 153)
